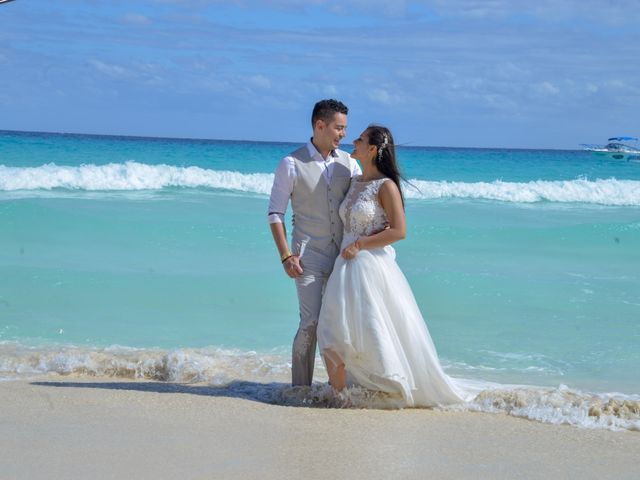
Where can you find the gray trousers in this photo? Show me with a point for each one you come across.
(317, 267)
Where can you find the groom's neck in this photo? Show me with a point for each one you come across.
(324, 151)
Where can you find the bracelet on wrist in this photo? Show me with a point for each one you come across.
(284, 257)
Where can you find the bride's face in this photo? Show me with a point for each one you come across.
(361, 149)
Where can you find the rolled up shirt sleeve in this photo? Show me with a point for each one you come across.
(283, 181)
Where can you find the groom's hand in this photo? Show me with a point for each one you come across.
(292, 266)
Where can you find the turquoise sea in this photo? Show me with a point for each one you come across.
(152, 257)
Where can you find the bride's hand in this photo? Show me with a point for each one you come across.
(351, 251)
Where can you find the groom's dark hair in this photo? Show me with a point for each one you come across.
(325, 110)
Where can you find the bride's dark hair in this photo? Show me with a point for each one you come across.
(385, 160)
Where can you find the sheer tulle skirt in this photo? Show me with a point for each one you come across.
(370, 322)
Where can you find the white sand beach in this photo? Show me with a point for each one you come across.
(78, 427)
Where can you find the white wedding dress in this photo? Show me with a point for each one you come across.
(370, 320)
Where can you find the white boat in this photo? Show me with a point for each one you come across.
(615, 148)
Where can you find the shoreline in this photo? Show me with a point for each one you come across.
(101, 427)
(265, 378)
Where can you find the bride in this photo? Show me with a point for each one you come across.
(370, 331)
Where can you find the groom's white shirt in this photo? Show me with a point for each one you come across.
(285, 178)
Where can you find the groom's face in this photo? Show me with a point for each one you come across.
(330, 134)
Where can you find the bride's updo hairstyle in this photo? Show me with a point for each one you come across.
(385, 160)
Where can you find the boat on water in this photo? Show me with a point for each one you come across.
(615, 148)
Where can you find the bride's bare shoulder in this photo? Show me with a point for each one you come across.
(389, 194)
(389, 188)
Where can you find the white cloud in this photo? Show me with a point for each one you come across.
(511, 71)
(383, 97)
(546, 88)
(259, 81)
(213, 84)
(136, 19)
(608, 11)
(616, 83)
(380, 95)
(591, 88)
(111, 70)
(330, 90)
(147, 73)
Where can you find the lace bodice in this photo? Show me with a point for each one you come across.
(360, 211)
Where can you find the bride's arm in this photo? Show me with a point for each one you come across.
(391, 201)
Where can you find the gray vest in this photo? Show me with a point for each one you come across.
(315, 204)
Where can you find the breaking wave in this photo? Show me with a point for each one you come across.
(600, 191)
(133, 176)
(129, 176)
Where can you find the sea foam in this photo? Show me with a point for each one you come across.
(601, 191)
(134, 176)
(129, 176)
(264, 377)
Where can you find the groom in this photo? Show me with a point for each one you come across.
(316, 178)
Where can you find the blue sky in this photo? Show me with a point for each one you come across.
(543, 74)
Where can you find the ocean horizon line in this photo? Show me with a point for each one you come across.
(269, 142)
